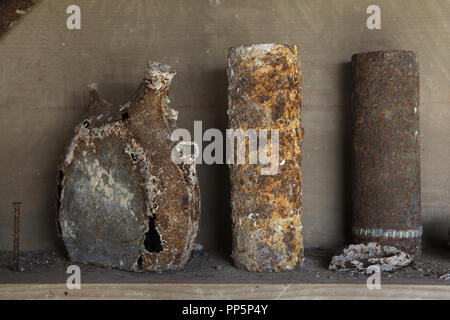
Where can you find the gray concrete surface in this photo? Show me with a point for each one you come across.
(44, 70)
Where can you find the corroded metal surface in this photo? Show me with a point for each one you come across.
(386, 151)
(362, 257)
(265, 93)
(122, 201)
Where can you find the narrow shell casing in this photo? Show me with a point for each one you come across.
(386, 149)
(265, 93)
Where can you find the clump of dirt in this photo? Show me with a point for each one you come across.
(11, 11)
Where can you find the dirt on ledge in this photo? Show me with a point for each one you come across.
(214, 267)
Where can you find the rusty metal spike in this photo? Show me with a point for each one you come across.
(16, 206)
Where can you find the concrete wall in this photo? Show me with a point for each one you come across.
(44, 70)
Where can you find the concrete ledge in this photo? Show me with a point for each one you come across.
(188, 291)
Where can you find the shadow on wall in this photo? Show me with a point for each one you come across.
(214, 179)
(436, 239)
(346, 88)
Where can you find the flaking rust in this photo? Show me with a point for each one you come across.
(123, 203)
(386, 150)
(362, 257)
(265, 93)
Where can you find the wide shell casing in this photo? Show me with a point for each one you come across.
(123, 202)
(265, 93)
(386, 149)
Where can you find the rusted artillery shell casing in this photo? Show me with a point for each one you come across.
(123, 202)
(265, 93)
(16, 206)
(386, 151)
